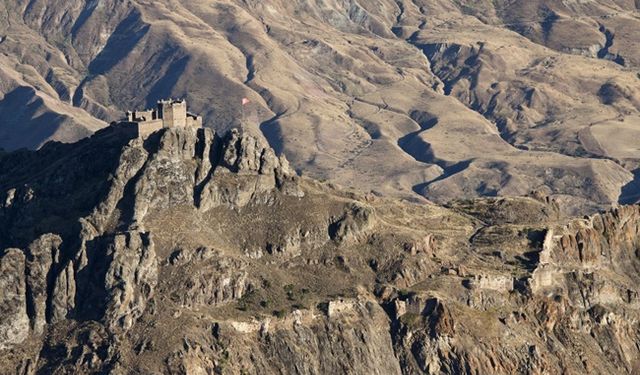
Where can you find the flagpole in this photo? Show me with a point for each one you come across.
(244, 102)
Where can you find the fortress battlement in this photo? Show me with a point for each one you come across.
(170, 113)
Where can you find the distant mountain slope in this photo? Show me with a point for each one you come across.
(444, 99)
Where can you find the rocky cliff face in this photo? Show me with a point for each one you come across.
(193, 252)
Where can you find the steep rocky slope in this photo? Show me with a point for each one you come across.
(195, 252)
(441, 99)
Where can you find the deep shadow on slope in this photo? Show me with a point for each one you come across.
(448, 172)
(164, 86)
(426, 121)
(123, 40)
(69, 180)
(24, 123)
(630, 193)
(273, 134)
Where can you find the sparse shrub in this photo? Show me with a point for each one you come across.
(405, 293)
(411, 320)
(288, 288)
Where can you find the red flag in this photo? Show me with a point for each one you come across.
(245, 101)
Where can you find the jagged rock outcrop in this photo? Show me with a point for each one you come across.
(168, 176)
(606, 242)
(14, 321)
(192, 252)
(120, 270)
(216, 280)
(350, 341)
(132, 158)
(130, 279)
(595, 240)
(63, 294)
(256, 172)
(357, 219)
(41, 255)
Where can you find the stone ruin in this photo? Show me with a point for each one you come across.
(170, 113)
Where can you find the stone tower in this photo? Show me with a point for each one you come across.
(173, 113)
(169, 114)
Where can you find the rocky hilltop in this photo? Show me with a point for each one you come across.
(193, 252)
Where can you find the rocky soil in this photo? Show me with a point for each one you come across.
(195, 252)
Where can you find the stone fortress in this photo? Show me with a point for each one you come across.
(170, 113)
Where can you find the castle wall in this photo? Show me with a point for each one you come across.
(140, 129)
(146, 115)
(130, 128)
(194, 121)
(169, 114)
(147, 127)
